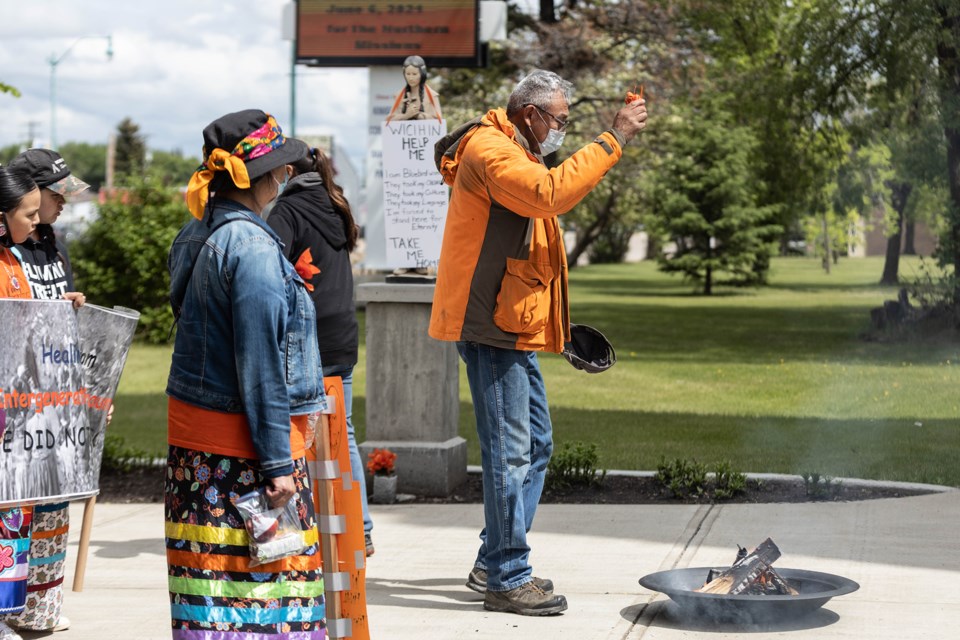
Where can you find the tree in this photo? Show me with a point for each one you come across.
(860, 188)
(10, 152)
(86, 161)
(131, 154)
(171, 167)
(704, 200)
(948, 57)
(6, 88)
(122, 257)
(604, 49)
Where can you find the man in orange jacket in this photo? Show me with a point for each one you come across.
(501, 294)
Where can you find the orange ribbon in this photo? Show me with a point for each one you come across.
(199, 188)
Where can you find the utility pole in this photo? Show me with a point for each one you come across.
(288, 30)
(32, 126)
(54, 61)
(111, 161)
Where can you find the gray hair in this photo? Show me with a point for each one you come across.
(538, 88)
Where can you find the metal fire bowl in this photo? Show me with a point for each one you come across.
(815, 589)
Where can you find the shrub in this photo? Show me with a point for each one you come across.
(684, 478)
(821, 487)
(121, 259)
(687, 479)
(727, 483)
(119, 457)
(574, 465)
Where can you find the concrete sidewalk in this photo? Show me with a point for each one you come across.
(904, 552)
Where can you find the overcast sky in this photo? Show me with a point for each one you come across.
(177, 65)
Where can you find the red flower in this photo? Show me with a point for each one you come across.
(381, 461)
(306, 268)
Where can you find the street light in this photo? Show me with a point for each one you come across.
(54, 61)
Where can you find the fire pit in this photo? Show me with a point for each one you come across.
(814, 589)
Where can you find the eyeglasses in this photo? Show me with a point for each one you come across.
(561, 124)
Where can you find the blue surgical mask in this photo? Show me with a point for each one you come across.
(281, 185)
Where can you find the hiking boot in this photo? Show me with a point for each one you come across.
(528, 600)
(368, 544)
(477, 581)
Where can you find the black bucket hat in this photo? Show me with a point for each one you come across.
(246, 144)
(589, 350)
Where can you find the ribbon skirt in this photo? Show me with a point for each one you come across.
(214, 593)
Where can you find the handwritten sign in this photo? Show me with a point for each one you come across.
(414, 196)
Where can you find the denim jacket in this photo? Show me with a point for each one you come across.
(246, 330)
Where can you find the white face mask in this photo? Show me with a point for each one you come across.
(554, 138)
(552, 142)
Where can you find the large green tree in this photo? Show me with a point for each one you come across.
(705, 200)
(130, 160)
(604, 49)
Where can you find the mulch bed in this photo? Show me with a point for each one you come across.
(146, 485)
(618, 489)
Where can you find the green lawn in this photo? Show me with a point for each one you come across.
(774, 379)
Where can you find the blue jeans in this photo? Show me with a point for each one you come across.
(345, 372)
(516, 440)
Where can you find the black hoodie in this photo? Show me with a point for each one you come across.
(304, 218)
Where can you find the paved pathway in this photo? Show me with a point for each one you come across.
(905, 553)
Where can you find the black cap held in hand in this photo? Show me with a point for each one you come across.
(589, 350)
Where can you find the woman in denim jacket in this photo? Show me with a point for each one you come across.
(245, 374)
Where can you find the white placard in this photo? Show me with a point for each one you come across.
(414, 195)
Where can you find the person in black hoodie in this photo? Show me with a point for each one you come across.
(316, 226)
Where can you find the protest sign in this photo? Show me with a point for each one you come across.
(414, 195)
(59, 371)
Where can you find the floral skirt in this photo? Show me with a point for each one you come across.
(14, 545)
(48, 554)
(214, 593)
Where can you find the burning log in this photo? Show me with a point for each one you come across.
(750, 574)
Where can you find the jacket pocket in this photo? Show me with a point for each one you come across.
(523, 304)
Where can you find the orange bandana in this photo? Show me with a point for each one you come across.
(199, 188)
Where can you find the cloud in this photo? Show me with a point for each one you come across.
(177, 65)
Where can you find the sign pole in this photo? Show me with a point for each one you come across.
(85, 530)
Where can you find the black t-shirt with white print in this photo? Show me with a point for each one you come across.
(46, 264)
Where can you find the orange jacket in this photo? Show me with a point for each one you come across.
(502, 275)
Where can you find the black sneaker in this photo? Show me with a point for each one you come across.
(368, 543)
(528, 600)
(477, 581)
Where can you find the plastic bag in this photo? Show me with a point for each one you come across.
(273, 533)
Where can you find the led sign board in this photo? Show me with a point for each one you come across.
(372, 32)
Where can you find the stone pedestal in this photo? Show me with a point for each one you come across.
(384, 489)
(413, 403)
